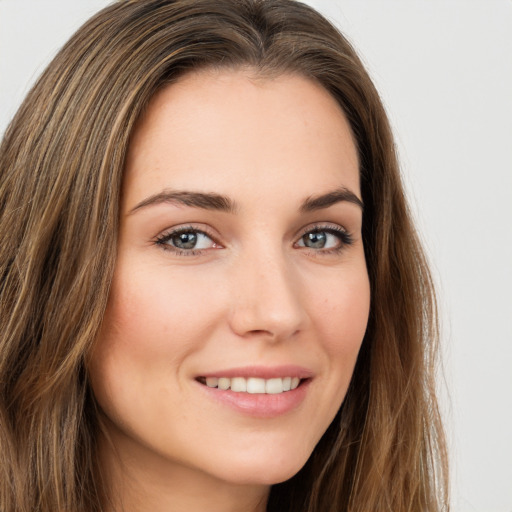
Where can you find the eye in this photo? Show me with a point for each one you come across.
(186, 240)
(325, 239)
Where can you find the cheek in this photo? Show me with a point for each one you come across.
(151, 325)
(148, 312)
(344, 314)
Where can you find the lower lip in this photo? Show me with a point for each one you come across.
(260, 405)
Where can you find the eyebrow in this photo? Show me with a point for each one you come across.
(320, 202)
(204, 200)
(218, 202)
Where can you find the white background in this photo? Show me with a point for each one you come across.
(444, 69)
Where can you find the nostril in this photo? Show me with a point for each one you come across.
(261, 332)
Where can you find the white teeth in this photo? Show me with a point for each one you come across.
(254, 385)
(238, 384)
(224, 383)
(212, 382)
(274, 386)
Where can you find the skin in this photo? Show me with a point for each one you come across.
(254, 293)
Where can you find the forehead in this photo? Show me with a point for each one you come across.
(230, 129)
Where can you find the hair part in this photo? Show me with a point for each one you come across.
(61, 167)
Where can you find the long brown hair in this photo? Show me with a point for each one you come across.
(61, 166)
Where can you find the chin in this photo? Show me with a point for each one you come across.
(269, 471)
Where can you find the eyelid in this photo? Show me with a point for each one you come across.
(322, 226)
(345, 237)
(162, 238)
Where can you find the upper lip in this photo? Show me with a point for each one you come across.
(262, 372)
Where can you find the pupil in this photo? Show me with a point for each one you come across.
(315, 240)
(185, 240)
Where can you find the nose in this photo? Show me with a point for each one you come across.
(266, 298)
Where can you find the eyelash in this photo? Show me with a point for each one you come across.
(345, 239)
(163, 239)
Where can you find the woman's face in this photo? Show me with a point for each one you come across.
(240, 264)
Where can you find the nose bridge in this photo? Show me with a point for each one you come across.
(266, 299)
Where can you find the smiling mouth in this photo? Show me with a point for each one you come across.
(253, 385)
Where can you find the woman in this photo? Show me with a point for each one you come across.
(177, 332)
